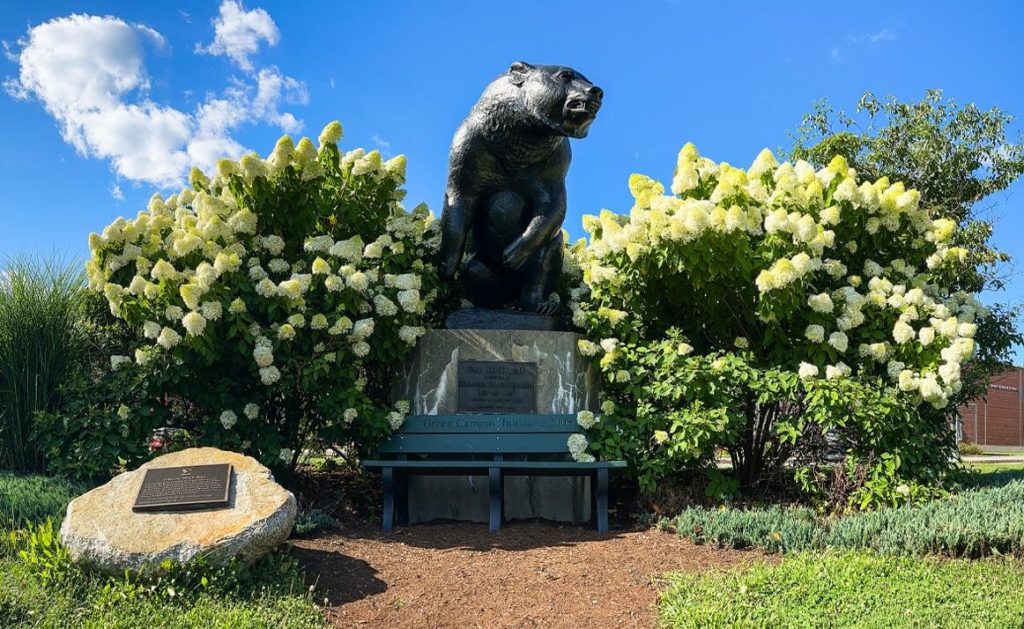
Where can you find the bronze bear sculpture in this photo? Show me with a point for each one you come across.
(505, 198)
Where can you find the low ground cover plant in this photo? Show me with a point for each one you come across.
(984, 519)
(849, 590)
(25, 498)
(969, 449)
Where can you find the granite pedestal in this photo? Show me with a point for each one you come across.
(566, 383)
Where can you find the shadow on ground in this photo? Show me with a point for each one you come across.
(517, 535)
(340, 579)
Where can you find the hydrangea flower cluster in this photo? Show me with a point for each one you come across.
(278, 283)
(577, 444)
(826, 274)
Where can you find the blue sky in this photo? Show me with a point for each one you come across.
(186, 79)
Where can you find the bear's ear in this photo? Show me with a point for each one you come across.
(517, 72)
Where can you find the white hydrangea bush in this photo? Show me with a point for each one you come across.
(271, 300)
(806, 272)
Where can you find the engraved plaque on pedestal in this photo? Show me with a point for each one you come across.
(497, 387)
(184, 488)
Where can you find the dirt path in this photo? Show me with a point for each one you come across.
(529, 575)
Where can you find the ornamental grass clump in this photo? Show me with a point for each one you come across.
(271, 300)
(776, 311)
(42, 342)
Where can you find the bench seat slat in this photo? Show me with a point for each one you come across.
(500, 424)
(402, 443)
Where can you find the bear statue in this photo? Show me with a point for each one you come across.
(505, 198)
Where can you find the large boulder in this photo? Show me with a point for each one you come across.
(101, 530)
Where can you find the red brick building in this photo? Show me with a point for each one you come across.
(997, 418)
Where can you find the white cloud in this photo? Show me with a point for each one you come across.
(9, 54)
(237, 33)
(89, 73)
(272, 88)
(873, 39)
(240, 103)
(382, 145)
(867, 40)
(81, 68)
(115, 191)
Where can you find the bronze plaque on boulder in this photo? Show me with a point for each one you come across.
(184, 488)
(497, 387)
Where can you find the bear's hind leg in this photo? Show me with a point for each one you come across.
(484, 287)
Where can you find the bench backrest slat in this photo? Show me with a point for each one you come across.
(482, 434)
(482, 424)
(401, 443)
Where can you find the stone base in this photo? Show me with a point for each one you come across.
(487, 319)
(566, 384)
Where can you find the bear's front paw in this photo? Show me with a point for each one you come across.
(446, 270)
(515, 255)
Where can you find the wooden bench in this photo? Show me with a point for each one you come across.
(493, 445)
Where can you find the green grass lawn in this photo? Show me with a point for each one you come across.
(990, 468)
(888, 568)
(52, 592)
(850, 590)
(82, 600)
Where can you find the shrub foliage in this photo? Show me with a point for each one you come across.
(958, 157)
(270, 301)
(777, 312)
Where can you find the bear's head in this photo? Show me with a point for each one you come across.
(562, 98)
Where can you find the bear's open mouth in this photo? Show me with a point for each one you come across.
(582, 106)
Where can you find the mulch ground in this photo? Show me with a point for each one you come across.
(530, 574)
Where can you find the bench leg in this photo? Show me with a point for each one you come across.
(388, 475)
(401, 498)
(495, 487)
(601, 500)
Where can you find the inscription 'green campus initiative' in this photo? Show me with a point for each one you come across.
(497, 423)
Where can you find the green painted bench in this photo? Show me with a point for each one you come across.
(492, 445)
